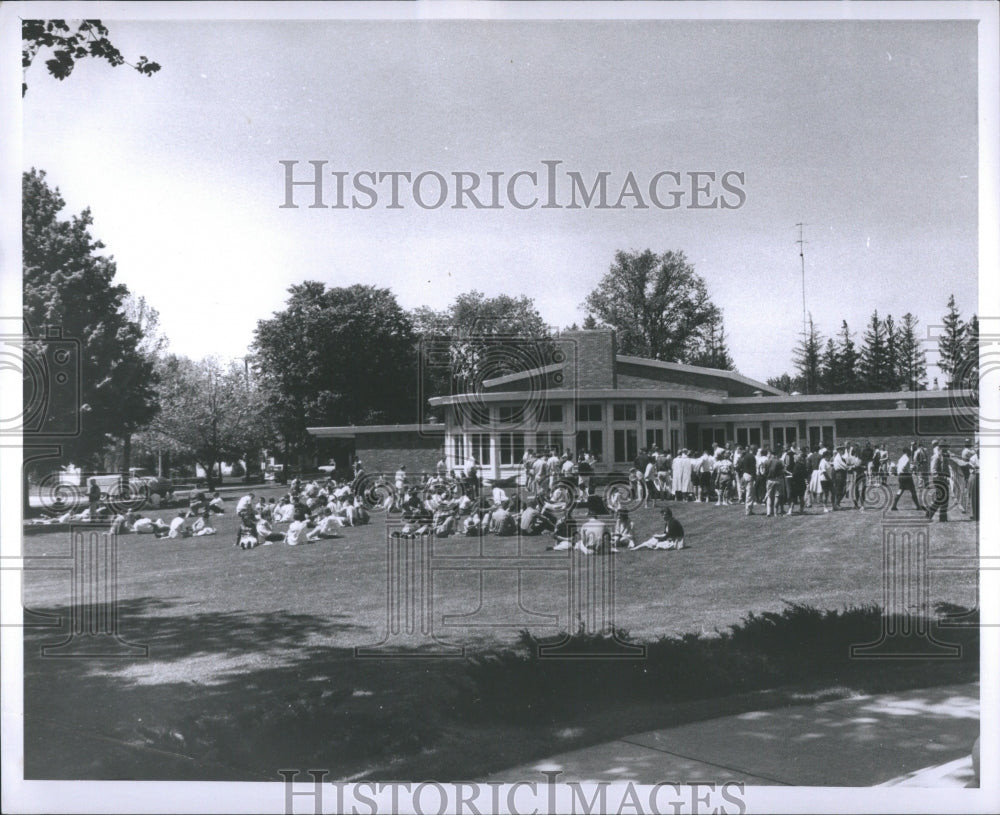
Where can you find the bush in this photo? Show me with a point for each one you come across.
(765, 650)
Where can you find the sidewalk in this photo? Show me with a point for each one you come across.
(919, 738)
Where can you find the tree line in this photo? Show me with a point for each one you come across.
(352, 355)
(891, 357)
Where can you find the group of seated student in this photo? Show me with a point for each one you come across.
(596, 537)
(313, 511)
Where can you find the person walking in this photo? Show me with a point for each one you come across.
(904, 472)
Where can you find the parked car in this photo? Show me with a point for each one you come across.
(141, 482)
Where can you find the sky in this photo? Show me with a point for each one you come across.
(864, 131)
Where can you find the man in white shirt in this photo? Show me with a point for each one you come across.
(244, 502)
(178, 527)
(298, 532)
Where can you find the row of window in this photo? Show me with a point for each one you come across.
(783, 435)
(511, 446)
(585, 412)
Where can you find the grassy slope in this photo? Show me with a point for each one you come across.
(251, 661)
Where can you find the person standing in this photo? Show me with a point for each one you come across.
(93, 496)
(941, 475)
(904, 472)
(839, 476)
(774, 474)
(920, 464)
(974, 484)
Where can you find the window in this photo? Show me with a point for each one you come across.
(551, 413)
(479, 444)
(511, 448)
(785, 435)
(625, 412)
(821, 435)
(588, 413)
(548, 440)
(654, 413)
(674, 413)
(654, 436)
(592, 440)
(626, 444)
(675, 442)
(458, 449)
(509, 415)
(745, 436)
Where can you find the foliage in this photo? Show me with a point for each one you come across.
(968, 376)
(951, 344)
(69, 288)
(478, 338)
(334, 357)
(660, 308)
(211, 413)
(765, 650)
(911, 360)
(88, 39)
(807, 357)
(872, 364)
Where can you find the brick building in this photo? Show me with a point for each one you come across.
(592, 397)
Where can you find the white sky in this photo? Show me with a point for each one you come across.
(865, 131)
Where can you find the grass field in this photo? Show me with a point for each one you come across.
(251, 660)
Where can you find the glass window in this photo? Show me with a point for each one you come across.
(674, 413)
(625, 412)
(654, 413)
(626, 444)
(654, 436)
(551, 413)
(511, 448)
(592, 440)
(588, 412)
(674, 441)
(458, 448)
(480, 446)
(548, 440)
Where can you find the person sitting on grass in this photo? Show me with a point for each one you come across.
(217, 505)
(298, 532)
(595, 539)
(178, 527)
(532, 521)
(502, 522)
(445, 521)
(147, 526)
(325, 526)
(565, 531)
(199, 528)
(265, 533)
(672, 537)
(623, 533)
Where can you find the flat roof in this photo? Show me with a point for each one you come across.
(351, 430)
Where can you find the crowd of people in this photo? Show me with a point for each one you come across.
(556, 485)
(783, 479)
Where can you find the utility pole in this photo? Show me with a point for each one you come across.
(802, 259)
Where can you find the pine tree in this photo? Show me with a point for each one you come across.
(911, 371)
(830, 368)
(969, 371)
(847, 363)
(871, 363)
(892, 380)
(808, 359)
(951, 345)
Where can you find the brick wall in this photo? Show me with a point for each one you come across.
(594, 352)
(384, 452)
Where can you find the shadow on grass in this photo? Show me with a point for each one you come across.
(221, 695)
(238, 696)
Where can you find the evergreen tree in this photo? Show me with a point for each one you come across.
(847, 380)
(892, 380)
(808, 360)
(969, 370)
(830, 368)
(952, 345)
(911, 371)
(872, 362)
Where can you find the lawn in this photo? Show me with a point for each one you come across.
(251, 662)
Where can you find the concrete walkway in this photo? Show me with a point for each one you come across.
(919, 738)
